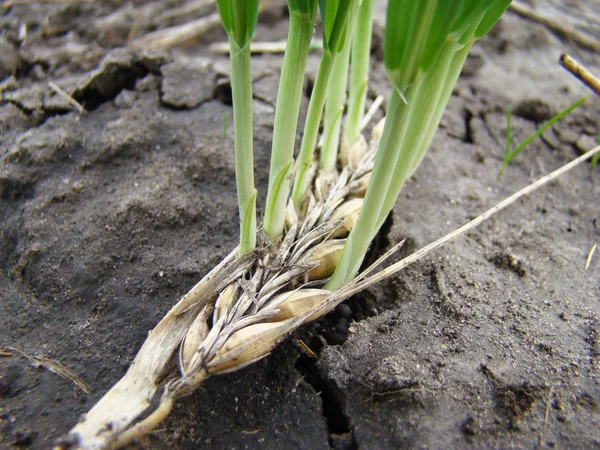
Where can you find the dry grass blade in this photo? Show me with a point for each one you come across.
(588, 261)
(67, 97)
(184, 34)
(371, 112)
(585, 40)
(222, 48)
(400, 265)
(9, 3)
(55, 367)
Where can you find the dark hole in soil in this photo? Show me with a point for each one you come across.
(114, 79)
(222, 92)
(468, 115)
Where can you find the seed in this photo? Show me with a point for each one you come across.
(226, 299)
(291, 216)
(348, 212)
(328, 255)
(351, 156)
(378, 130)
(323, 184)
(192, 340)
(249, 344)
(296, 303)
(359, 187)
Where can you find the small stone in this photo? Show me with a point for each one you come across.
(77, 186)
(186, 84)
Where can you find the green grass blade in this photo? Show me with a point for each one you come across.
(508, 148)
(334, 20)
(491, 16)
(241, 89)
(303, 7)
(336, 96)
(510, 155)
(405, 40)
(425, 46)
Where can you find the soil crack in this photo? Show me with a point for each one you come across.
(341, 434)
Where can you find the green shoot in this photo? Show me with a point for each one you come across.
(508, 140)
(334, 16)
(595, 158)
(359, 71)
(225, 124)
(425, 46)
(510, 154)
(289, 96)
(334, 106)
(239, 19)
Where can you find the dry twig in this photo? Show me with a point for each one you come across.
(582, 39)
(184, 34)
(222, 48)
(580, 72)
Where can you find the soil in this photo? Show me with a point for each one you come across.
(108, 217)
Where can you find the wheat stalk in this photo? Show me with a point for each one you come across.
(247, 305)
(242, 309)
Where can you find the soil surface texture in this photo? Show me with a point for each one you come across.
(108, 216)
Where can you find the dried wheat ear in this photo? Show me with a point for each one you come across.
(242, 309)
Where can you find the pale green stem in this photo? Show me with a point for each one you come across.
(383, 170)
(407, 134)
(458, 61)
(289, 98)
(436, 87)
(359, 71)
(241, 89)
(334, 109)
(311, 129)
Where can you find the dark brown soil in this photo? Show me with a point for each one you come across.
(108, 217)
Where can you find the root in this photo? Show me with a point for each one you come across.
(147, 425)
